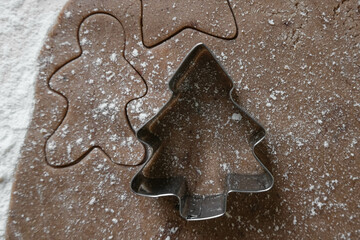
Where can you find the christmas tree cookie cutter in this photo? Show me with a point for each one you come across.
(198, 206)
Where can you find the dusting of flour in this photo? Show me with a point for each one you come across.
(23, 26)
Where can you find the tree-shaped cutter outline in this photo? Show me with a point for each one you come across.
(208, 206)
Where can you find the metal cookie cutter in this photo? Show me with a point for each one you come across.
(195, 206)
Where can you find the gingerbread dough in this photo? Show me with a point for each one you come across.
(97, 86)
(295, 66)
(211, 17)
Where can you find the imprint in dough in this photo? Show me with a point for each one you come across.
(214, 18)
(97, 86)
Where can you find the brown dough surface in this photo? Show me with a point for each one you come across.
(212, 17)
(98, 85)
(296, 69)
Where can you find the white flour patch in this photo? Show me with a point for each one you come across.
(24, 24)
